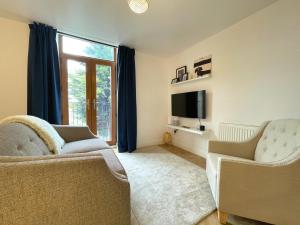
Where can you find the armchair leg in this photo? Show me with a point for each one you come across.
(222, 216)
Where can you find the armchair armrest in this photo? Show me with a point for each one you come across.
(243, 149)
(74, 133)
(63, 190)
(266, 192)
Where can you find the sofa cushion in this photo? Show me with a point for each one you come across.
(212, 161)
(280, 140)
(87, 145)
(19, 140)
(44, 129)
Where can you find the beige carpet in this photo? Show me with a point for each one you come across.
(166, 189)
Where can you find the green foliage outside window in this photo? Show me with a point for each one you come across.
(77, 91)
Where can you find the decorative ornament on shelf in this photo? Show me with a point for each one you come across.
(180, 72)
(174, 81)
(181, 75)
(175, 121)
(202, 69)
(193, 75)
(167, 138)
(138, 6)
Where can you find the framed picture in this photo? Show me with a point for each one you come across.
(184, 77)
(181, 71)
(174, 81)
(203, 66)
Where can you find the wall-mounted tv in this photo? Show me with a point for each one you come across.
(189, 104)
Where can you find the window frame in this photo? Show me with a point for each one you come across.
(90, 87)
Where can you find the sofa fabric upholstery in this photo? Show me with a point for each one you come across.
(87, 145)
(39, 188)
(19, 140)
(73, 190)
(74, 133)
(280, 139)
(254, 185)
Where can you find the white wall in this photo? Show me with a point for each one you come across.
(255, 77)
(256, 71)
(152, 99)
(13, 67)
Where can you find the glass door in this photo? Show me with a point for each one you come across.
(104, 102)
(88, 86)
(78, 100)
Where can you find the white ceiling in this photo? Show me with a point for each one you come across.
(168, 27)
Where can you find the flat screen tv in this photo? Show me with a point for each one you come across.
(189, 104)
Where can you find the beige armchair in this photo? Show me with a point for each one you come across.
(259, 178)
(38, 188)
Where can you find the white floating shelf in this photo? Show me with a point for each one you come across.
(190, 130)
(192, 80)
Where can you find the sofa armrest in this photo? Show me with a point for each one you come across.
(63, 190)
(243, 149)
(266, 192)
(7, 159)
(74, 133)
(113, 163)
(108, 155)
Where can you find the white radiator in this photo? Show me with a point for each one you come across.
(236, 132)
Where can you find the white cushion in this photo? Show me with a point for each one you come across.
(280, 140)
(212, 162)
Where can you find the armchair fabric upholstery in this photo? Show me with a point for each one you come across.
(259, 178)
(87, 188)
(280, 140)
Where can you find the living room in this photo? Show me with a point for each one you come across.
(232, 158)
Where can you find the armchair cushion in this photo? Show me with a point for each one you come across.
(82, 146)
(280, 139)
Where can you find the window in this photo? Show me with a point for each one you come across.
(79, 47)
(88, 86)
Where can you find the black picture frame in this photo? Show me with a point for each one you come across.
(181, 71)
(184, 77)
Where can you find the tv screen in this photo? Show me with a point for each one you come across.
(189, 105)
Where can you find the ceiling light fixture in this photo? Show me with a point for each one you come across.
(138, 6)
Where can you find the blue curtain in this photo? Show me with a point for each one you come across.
(127, 116)
(43, 83)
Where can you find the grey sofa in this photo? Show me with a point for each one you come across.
(258, 178)
(84, 185)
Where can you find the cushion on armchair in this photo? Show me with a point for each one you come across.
(280, 140)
